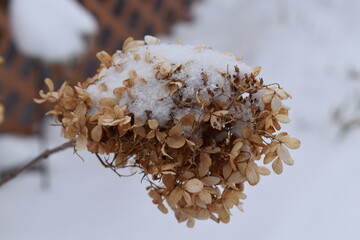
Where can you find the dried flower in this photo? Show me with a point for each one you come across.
(195, 121)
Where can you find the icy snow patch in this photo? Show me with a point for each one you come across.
(153, 96)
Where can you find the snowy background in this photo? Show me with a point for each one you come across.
(311, 48)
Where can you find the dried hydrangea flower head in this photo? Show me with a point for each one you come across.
(196, 122)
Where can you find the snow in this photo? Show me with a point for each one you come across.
(307, 46)
(153, 95)
(51, 30)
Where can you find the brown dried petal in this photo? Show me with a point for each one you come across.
(282, 118)
(175, 142)
(204, 165)
(270, 157)
(176, 131)
(187, 198)
(251, 174)
(205, 197)
(263, 171)
(153, 123)
(277, 166)
(96, 133)
(104, 58)
(236, 178)
(175, 196)
(119, 92)
(81, 143)
(268, 96)
(162, 208)
(276, 104)
(292, 143)
(256, 70)
(188, 120)
(210, 181)
(284, 154)
(194, 185)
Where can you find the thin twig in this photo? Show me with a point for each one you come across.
(42, 156)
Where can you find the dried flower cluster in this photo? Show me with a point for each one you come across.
(220, 120)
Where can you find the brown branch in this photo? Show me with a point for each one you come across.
(30, 164)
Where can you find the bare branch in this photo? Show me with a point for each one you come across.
(30, 164)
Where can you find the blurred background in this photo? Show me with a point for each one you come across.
(310, 47)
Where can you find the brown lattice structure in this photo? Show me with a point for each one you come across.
(21, 77)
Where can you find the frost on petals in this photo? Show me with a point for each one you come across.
(199, 124)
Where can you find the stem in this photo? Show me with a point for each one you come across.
(30, 164)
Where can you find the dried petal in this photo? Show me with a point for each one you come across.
(153, 123)
(284, 154)
(292, 143)
(277, 166)
(251, 174)
(205, 197)
(276, 104)
(194, 185)
(96, 133)
(210, 181)
(175, 142)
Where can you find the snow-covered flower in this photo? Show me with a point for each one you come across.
(194, 119)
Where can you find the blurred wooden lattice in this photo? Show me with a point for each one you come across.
(21, 77)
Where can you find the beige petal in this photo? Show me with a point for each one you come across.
(176, 131)
(203, 214)
(49, 83)
(160, 136)
(277, 166)
(175, 196)
(270, 157)
(188, 120)
(81, 143)
(276, 104)
(187, 198)
(292, 143)
(256, 70)
(210, 181)
(268, 96)
(107, 103)
(175, 142)
(263, 171)
(162, 208)
(236, 148)
(236, 178)
(153, 123)
(151, 134)
(194, 185)
(282, 118)
(96, 133)
(190, 223)
(284, 154)
(226, 171)
(251, 174)
(221, 113)
(104, 58)
(205, 197)
(119, 92)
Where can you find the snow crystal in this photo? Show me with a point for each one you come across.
(153, 97)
